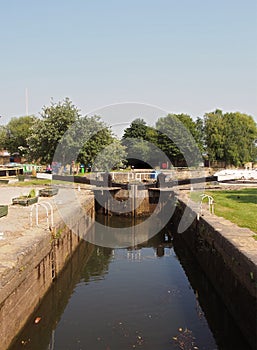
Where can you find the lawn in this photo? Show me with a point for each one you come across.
(238, 206)
(42, 182)
(31, 182)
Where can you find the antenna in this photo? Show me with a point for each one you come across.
(27, 101)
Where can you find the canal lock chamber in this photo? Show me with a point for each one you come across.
(108, 297)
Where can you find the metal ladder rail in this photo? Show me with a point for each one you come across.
(51, 211)
(44, 205)
(210, 203)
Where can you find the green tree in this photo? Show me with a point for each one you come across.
(230, 137)
(63, 135)
(48, 131)
(2, 136)
(240, 134)
(178, 138)
(112, 156)
(137, 129)
(15, 133)
(214, 135)
(141, 140)
(95, 136)
(199, 135)
(85, 141)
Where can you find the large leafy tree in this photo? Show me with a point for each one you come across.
(179, 138)
(214, 135)
(140, 140)
(2, 136)
(63, 135)
(14, 135)
(95, 136)
(230, 137)
(90, 141)
(112, 156)
(199, 135)
(137, 129)
(49, 129)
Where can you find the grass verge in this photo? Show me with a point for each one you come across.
(237, 206)
(31, 182)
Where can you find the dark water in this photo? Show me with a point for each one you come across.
(153, 296)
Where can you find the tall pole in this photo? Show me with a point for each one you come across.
(27, 101)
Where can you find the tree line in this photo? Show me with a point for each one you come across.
(226, 137)
(62, 134)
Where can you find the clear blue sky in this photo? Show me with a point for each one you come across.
(181, 55)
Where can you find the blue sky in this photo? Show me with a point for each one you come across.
(183, 56)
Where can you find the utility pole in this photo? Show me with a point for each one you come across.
(27, 101)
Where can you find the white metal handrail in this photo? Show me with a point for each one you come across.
(133, 175)
(145, 176)
(45, 205)
(210, 203)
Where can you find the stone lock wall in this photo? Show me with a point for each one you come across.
(216, 244)
(25, 284)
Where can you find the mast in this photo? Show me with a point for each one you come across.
(27, 101)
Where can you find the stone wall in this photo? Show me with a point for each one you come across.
(25, 284)
(228, 256)
(54, 302)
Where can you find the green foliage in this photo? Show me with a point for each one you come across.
(178, 138)
(2, 136)
(111, 157)
(58, 233)
(32, 193)
(141, 141)
(64, 136)
(214, 135)
(137, 129)
(84, 141)
(230, 137)
(14, 135)
(199, 134)
(48, 131)
(97, 136)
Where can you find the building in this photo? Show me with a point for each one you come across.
(4, 157)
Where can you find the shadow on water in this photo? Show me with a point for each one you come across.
(87, 261)
(96, 264)
(225, 330)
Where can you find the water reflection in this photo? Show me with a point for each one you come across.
(208, 303)
(132, 231)
(86, 264)
(132, 298)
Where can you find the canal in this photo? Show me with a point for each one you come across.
(151, 296)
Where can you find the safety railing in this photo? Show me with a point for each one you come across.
(46, 206)
(132, 175)
(210, 203)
